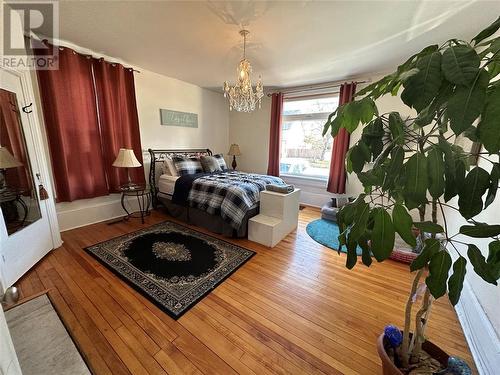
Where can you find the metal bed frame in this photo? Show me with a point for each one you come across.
(159, 156)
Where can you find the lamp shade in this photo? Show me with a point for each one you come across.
(7, 160)
(126, 159)
(234, 150)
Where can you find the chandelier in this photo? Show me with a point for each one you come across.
(242, 96)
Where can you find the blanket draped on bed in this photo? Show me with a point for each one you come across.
(228, 194)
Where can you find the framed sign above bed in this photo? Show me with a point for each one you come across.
(177, 118)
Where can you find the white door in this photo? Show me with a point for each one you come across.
(37, 233)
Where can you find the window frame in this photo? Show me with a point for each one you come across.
(307, 117)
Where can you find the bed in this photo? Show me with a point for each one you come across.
(221, 202)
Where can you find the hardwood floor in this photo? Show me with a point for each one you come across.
(291, 309)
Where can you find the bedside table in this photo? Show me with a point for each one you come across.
(143, 196)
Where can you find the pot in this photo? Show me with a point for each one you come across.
(389, 368)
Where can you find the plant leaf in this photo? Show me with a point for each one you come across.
(352, 256)
(396, 126)
(359, 155)
(416, 180)
(460, 64)
(488, 128)
(429, 227)
(361, 219)
(439, 266)
(431, 247)
(403, 224)
(492, 192)
(479, 264)
(456, 281)
(470, 195)
(421, 88)
(435, 166)
(466, 103)
(489, 31)
(366, 256)
(494, 259)
(480, 230)
(383, 235)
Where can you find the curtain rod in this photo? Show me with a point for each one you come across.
(321, 86)
(88, 55)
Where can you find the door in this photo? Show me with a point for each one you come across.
(26, 234)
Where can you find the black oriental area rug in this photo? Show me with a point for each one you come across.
(172, 265)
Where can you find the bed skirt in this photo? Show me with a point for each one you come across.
(202, 219)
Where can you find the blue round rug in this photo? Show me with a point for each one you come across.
(326, 233)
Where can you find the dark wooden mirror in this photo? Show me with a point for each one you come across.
(18, 197)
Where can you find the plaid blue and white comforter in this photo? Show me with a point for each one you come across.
(229, 194)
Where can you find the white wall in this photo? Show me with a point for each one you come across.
(155, 91)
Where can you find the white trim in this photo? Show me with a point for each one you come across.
(484, 343)
(72, 218)
(38, 140)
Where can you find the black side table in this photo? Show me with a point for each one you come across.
(143, 196)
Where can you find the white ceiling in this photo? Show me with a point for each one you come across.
(291, 42)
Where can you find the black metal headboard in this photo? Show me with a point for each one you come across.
(159, 156)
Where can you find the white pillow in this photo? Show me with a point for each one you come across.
(171, 166)
(168, 167)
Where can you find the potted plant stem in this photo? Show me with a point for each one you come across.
(413, 174)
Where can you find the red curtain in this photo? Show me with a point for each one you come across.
(70, 113)
(336, 179)
(118, 119)
(273, 166)
(12, 138)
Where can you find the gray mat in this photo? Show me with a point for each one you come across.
(42, 343)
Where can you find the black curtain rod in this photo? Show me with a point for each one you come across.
(45, 41)
(300, 89)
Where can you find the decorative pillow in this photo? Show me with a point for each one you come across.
(221, 161)
(168, 167)
(210, 164)
(186, 165)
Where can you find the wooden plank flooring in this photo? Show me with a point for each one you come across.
(293, 309)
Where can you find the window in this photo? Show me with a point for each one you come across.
(304, 151)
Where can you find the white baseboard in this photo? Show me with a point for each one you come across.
(481, 337)
(91, 212)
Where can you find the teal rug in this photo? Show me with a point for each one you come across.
(326, 233)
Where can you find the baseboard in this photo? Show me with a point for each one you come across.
(481, 337)
(92, 213)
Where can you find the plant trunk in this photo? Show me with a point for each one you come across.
(420, 324)
(405, 349)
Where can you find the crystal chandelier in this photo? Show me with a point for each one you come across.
(241, 96)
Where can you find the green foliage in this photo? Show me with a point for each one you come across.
(456, 281)
(383, 234)
(490, 122)
(403, 224)
(410, 167)
(421, 88)
(480, 230)
(439, 266)
(460, 64)
(470, 201)
(466, 103)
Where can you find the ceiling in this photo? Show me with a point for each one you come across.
(291, 42)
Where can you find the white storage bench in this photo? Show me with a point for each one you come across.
(279, 215)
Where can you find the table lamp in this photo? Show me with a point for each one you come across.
(234, 151)
(6, 161)
(126, 159)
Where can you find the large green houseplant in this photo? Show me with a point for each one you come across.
(411, 170)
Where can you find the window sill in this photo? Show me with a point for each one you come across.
(320, 182)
